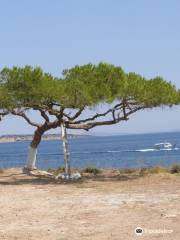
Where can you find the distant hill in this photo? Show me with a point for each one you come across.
(29, 137)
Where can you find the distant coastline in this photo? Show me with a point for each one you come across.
(29, 137)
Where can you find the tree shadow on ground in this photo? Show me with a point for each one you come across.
(23, 179)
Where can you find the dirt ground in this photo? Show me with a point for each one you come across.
(95, 208)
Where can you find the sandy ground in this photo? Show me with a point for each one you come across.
(33, 208)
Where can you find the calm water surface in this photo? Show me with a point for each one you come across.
(127, 151)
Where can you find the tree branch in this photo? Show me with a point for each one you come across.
(23, 115)
(97, 115)
(4, 113)
(54, 124)
(76, 115)
(57, 113)
(89, 125)
(44, 115)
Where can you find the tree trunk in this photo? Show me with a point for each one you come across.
(32, 151)
(66, 150)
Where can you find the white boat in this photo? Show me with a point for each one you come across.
(165, 145)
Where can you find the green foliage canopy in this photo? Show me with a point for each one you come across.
(28, 87)
(23, 88)
(91, 84)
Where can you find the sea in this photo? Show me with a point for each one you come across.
(124, 151)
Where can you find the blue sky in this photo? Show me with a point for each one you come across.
(141, 36)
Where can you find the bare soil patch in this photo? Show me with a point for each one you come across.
(104, 207)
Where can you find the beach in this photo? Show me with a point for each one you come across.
(92, 208)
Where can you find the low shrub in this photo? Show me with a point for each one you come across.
(127, 170)
(157, 169)
(56, 171)
(175, 169)
(143, 171)
(93, 170)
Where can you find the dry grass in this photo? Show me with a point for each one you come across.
(128, 172)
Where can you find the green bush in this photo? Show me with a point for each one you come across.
(93, 170)
(175, 169)
(56, 171)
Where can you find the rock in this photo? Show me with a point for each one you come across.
(38, 173)
(41, 173)
(73, 176)
(61, 176)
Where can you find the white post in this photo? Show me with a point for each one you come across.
(31, 158)
(66, 150)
